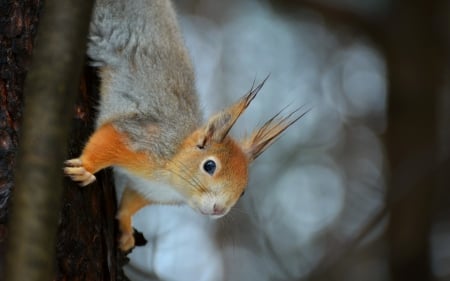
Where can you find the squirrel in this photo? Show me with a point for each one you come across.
(149, 126)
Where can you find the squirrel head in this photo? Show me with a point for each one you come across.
(211, 168)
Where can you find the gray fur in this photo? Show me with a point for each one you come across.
(147, 73)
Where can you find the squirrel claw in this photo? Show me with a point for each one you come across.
(75, 170)
(76, 162)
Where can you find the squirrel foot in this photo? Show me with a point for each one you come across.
(126, 242)
(75, 170)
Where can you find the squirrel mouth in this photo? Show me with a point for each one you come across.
(214, 214)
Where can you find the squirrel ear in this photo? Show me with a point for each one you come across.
(268, 133)
(218, 126)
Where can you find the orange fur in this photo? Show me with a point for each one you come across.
(130, 203)
(107, 147)
(232, 174)
(237, 167)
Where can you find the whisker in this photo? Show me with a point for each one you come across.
(181, 176)
(192, 180)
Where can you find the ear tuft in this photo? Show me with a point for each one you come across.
(268, 133)
(218, 126)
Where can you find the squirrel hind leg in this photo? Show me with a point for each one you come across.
(130, 203)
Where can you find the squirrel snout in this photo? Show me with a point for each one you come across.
(218, 209)
(213, 209)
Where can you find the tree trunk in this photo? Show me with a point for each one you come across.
(85, 245)
(18, 24)
(416, 67)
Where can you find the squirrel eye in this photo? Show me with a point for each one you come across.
(210, 167)
(243, 192)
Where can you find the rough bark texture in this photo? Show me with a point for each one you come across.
(18, 25)
(49, 92)
(85, 247)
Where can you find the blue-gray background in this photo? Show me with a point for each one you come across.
(313, 192)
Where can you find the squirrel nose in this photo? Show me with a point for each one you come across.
(218, 209)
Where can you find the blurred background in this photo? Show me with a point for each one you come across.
(358, 189)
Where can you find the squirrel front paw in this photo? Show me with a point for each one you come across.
(75, 170)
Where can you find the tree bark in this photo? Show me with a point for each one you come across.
(86, 247)
(86, 232)
(18, 24)
(50, 90)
